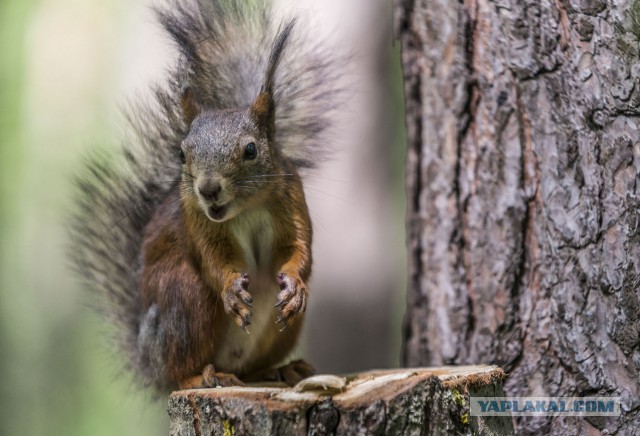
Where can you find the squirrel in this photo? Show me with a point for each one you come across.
(198, 237)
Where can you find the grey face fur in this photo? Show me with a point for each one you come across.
(218, 171)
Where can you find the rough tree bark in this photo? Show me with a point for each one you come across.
(523, 196)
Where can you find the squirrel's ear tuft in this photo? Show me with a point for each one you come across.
(190, 107)
(263, 107)
(278, 47)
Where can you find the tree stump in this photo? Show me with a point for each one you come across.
(390, 402)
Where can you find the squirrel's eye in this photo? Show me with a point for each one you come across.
(183, 158)
(250, 151)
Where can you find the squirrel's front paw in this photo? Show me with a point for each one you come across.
(292, 299)
(237, 301)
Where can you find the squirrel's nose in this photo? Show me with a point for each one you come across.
(210, 190)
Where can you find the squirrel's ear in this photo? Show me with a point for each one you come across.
(263, 112)
(190, 107)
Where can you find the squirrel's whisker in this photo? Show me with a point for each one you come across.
(274, 174)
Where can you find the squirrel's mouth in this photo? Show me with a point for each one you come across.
(217, 213)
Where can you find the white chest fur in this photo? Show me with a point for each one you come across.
(254, 234)
(253, 231)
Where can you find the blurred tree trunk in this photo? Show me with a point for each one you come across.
(523, 196)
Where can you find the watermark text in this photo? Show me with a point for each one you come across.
(545, 406)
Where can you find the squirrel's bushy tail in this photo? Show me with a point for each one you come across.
(116, 197)
(224, 46)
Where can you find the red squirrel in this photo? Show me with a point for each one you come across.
(200, 237)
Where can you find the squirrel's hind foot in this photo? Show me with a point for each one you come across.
(289, 374)
(210, 379)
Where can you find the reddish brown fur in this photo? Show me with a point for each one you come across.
(262, 110)
(195, 271)
(189, 261)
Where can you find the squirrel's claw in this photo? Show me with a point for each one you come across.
(292, 299)
(284, 327)
(238, 302)
(284, 322)
(246, 298)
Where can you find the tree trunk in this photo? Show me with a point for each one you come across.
(392, 402)
(523, 196)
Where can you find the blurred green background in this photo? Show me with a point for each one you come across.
(61, 81)
(57, 74)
